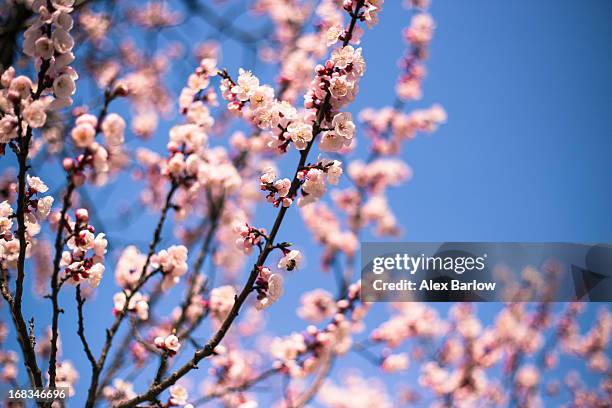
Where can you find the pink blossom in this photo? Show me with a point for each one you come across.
(395, 362)
(343, 125)
(113, 129)
(528, 376)
(282, 186)
(178, 395)
(35, 115)
(37, 184)
(83, 135)
(222, 300)
(169, 343)
(300, 133)
(245, 85)
(317, 305)
(22, 85)
(341, 57)
(64, 86)
(172, 262)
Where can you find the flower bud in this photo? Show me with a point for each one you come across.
(68, 164)
(121, 89)
(82, 215)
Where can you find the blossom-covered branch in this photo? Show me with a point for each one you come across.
(165, 192)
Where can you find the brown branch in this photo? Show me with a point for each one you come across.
(119, 357)
(109, 95)
(81, 330)
(6, 293)
(26, 340)
(55, 284)
(238, 388)
(208, 349)
(163, 364)
(316, 385)
(215, 212)
(144, 277)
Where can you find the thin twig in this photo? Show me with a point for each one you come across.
(81, 329)
(144, 277)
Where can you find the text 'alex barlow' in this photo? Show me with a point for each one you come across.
(430, 285)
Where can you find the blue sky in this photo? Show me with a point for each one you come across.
(524, 155)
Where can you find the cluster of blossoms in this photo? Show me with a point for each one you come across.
(66, 377)
(313, 180)
(49, 42)
(317, 306)
(301, 353)
(16, 99)
(419, 34)
(128, 269)
(119, 391)
(218, 174)
(275, 187)
(269, 287)
(412, 320)
(231, 368)
(358, 391)
(85, 260)
(154, 15)
(296, 50)
(394, 362)
(189, 163)
(95, 25)
(389, 127)
(221, 301)
(48, 39)
(8, 358)
(328, 231)
(96, 156)
(248, 237)
(138, 304)
(336, 84)
(169, 343)
(178, 397)
(185, 146)
(37, 208)
(365, 210)
(379, 174)
(280, 121)
(593, 345)
(173, 264)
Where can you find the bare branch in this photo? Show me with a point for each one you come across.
(81, 330)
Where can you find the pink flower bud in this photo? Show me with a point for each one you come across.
(121, 89)
(82, 215)
(68, 164)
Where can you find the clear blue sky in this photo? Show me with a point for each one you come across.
(524, 155)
